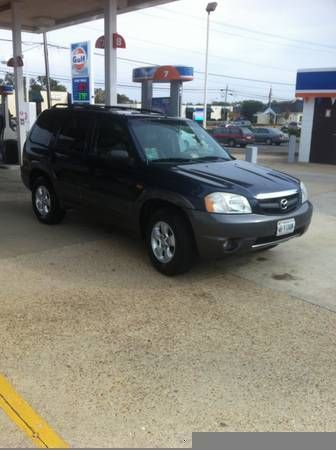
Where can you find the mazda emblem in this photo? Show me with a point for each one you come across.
(284, 203)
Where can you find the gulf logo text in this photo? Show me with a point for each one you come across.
(79, 58)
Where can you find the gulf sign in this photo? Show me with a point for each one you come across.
(312, 83)
(80, 59)
(82, 81)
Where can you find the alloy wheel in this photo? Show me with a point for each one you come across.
(163, 242)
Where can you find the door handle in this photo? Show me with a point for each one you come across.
(61, 156)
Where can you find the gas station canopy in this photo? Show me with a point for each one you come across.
(40, 16)
(46, 15)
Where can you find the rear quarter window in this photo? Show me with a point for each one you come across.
(42, 131)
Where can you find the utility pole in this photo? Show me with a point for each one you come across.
(270, 97)
(226, 92)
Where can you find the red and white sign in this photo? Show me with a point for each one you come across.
(117, 41)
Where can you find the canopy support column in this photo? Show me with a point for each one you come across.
(16, 6)
(47, 71)
(110, 26)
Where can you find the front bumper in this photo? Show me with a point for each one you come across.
(220, 234)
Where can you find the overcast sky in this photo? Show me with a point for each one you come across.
(265, 40)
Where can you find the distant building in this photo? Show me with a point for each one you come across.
(267, 117)
(281, 113)
(219, 113)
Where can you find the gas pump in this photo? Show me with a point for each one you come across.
(8, 138)
(9, 153)
(174, 75)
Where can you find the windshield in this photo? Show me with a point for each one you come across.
(176, 140)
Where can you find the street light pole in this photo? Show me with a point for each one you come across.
(209, 9)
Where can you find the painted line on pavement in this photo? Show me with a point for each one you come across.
(23, 415)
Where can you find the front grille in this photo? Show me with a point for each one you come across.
(276, 205)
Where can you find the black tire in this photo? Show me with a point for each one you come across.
(231, 143)
(269, 141)
(184, 250)
(54, 213)
(278, 143)
(243, 145)
(10, 152)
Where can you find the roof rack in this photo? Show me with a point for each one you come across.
(107, 107)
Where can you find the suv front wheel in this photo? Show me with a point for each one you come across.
(169, 242)
(45, 203)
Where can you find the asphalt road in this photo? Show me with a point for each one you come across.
(111, 353)
(265, 149)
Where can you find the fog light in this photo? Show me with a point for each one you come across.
(229, 245)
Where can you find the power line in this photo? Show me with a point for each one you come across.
(329, 50)
(253, 30)
(156, 88)
(52, 45)
(202, 73)
(183, 49)
(151, 63)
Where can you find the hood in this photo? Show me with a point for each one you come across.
(246, 178)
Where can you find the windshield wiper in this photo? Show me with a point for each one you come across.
(211, 158)
(171, 160)
(190, 160)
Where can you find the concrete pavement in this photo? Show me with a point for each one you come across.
(111, 353)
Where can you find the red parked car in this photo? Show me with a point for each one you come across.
(232, 136)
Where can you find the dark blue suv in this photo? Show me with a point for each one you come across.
(163, 178)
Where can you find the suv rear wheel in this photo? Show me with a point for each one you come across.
(169, 242)
(231, 143)
(45, 203)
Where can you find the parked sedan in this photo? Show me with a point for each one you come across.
(270, 136)
(233, 136)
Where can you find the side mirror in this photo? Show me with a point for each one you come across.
(118, 155)
(119, 158)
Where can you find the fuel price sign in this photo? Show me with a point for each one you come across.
(82, 82)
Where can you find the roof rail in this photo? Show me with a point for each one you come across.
(107, 107)
(58, 105)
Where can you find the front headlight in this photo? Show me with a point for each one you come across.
(224, 202)
(304, 192)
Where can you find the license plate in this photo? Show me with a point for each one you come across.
(285, 227)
